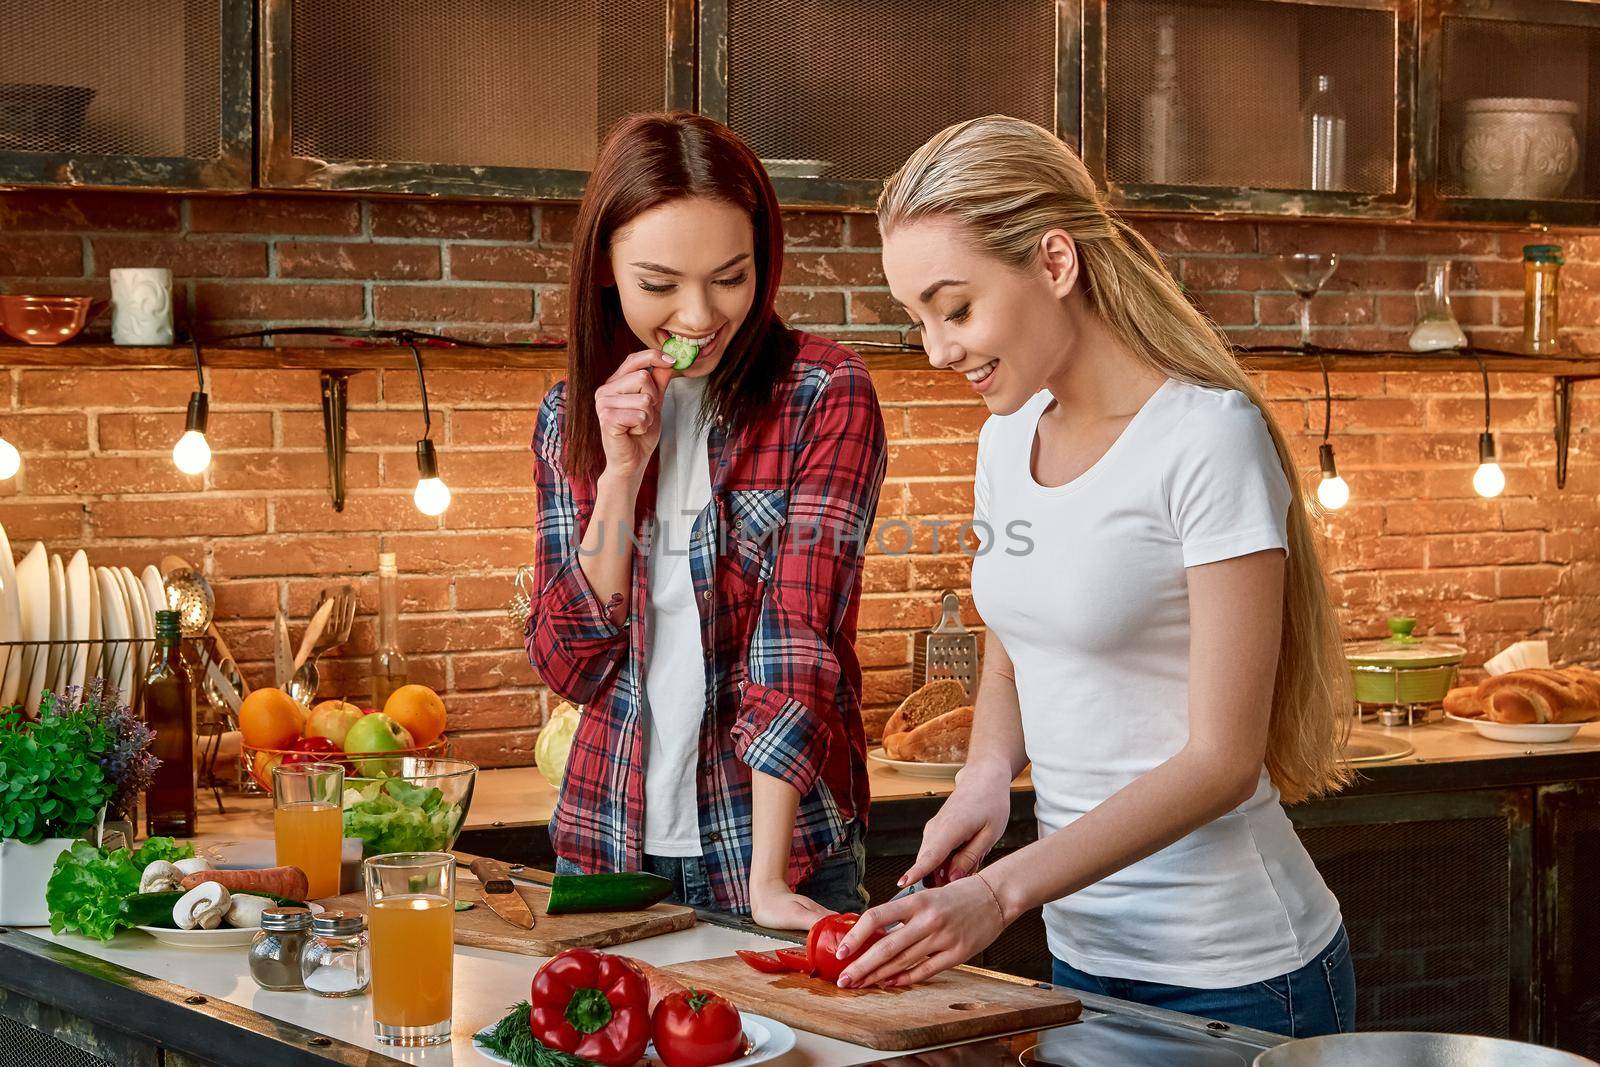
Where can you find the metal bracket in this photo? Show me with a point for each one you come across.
(335, 430)
(1563, 398)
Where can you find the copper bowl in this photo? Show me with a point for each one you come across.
(47, 320)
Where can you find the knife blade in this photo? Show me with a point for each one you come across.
(500, 893)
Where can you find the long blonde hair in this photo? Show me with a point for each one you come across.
(1008, 182)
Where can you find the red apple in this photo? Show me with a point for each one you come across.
(332, 719)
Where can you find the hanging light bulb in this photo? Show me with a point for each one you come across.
(432, 496)
(10, 459)
(192, 453)
(1333, 492)
(1488, 480)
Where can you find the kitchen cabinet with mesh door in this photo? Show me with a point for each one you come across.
(493, 98)
(834, 94)
(1569, 914)
(148, 95)
(1279, 107)
(1509, 98)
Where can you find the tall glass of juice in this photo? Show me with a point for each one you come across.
(308, 822)
(411, 922)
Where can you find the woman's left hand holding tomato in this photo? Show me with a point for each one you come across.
(940, 928)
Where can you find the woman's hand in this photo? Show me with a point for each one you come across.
(629, 408)
(940, 928)
(966, 827)
(778, 907)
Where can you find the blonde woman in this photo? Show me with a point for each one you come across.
(1160, 644)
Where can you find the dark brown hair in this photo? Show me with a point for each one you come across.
(645, 161)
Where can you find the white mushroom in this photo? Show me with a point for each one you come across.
(160, 877)
(244, 909)
(192, 866)
(201, 907)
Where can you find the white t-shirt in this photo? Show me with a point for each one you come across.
(1095, 617)
(675, 671)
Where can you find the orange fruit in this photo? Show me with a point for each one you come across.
(419, 710)
(270, 718)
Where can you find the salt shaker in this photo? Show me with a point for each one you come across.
(275, 951)
(336, 961)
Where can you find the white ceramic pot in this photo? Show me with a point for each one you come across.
(24, 872)
(1517, 148)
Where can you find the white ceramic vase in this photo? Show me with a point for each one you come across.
(1517, 148)
(24, 872)
(141, 306)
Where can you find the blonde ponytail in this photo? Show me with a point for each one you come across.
(1008, 182)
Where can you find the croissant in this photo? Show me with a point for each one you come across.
(1567, 695)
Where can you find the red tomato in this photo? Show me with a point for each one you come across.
(696, 1029)
(823, 941)
(794, 959)
(313, 750)
(765, 962)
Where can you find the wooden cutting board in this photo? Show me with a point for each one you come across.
(482, 928)
(957, 1005)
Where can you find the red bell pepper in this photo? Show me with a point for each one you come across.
(592, 1004)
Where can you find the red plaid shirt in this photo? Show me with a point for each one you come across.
(776, 560)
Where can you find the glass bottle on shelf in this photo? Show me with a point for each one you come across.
(388, 662)
(1161, 131)
(1436, 326)
(167, 707)
(1541, 297)
(1322, 123)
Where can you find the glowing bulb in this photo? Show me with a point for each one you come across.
(192, 453)
(1333, 493)
(10, 459)
(1489, 479)
(432, 496)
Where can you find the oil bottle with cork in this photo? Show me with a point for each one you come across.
(167, 707)
(388, 667)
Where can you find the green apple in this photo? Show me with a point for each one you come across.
(375, 733)
(332, 719)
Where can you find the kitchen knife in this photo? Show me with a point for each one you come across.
(500, 893)
(282, 656)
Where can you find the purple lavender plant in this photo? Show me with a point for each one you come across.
(125, 759)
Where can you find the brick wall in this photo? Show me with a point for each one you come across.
(97, 471)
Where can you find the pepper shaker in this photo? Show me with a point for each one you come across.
(275, 950)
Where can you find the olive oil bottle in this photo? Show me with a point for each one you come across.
(167, 707)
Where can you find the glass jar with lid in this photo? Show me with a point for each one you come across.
(276, 948)
(336, 961)
(1541, 297)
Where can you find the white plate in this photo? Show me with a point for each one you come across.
(33, 587)
(97, 628)
(916, 768)
(81, 580)
(143, 624)
(114, 614)
(221, 937)
(155, 590)
(768, 1038)
(1522, 733)
(10, 623)
(60, 630)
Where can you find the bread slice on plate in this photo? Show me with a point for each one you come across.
(928, 703)
(943, 739)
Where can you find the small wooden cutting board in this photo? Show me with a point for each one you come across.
(482, 928)
(957, 1005)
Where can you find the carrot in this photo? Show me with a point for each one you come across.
(662, 984)
(287, 882)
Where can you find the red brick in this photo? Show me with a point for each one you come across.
(442, 303)
(362, 512)
(1539, 580)
(941, 498)
(278, 301)
(884, 650)
(1226, 308)
(813, 229)
(885, 574)
(41, 209)
(1247, 273)
(364, 429)
(861, 231)
(930, 386)
(1507, 413)
(266, 471)
(274, 215)
(494, 222)
(1432, 516)
(1286, 385)
(1499, 275)
(873, 308)
(478, 592)
(1424, 241)
(63, 431)
(832, 268)
(495, 748)
(507, 263)
(186, 258)
(463, 551)
(464, 633)
(483, 470)
(961, 422)
(1328, 309)
(1197, 236)
(885, 687)
(1413, 587)
(293, 554)
(492, 511)
(278, 389)
(1483, 549)
(556, 222)
(246, 599)
(553, 308)
(41, 522)
(140, 431)
(49, 476)
(806, 306)
(210, 516)
(492, 670)
(41, 256)
(915, 461)
(1276, 237)
(505, 429)
(452, 387)
(1378, 413)
(339, 259)
(75, 388)
(942, 572)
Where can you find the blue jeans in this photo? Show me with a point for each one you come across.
(835, 884)
(1319, 998)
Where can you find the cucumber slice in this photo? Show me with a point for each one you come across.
(683, 352)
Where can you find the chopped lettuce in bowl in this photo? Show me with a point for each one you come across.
(413, 804)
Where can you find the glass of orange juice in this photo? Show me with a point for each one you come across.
(411, 917)
(308, 822)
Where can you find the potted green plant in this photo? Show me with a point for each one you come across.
(58, 774)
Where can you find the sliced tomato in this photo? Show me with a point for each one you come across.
(765, 962)
(795, 959)
(823, 942)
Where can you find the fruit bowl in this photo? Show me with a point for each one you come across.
(260, 761)
(408, 803)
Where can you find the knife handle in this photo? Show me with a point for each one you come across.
(491, 876)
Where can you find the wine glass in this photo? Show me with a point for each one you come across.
(1307, 273)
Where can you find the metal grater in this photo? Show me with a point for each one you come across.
(949, 650)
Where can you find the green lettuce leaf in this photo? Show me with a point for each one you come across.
(400, 817)
(88, 884)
